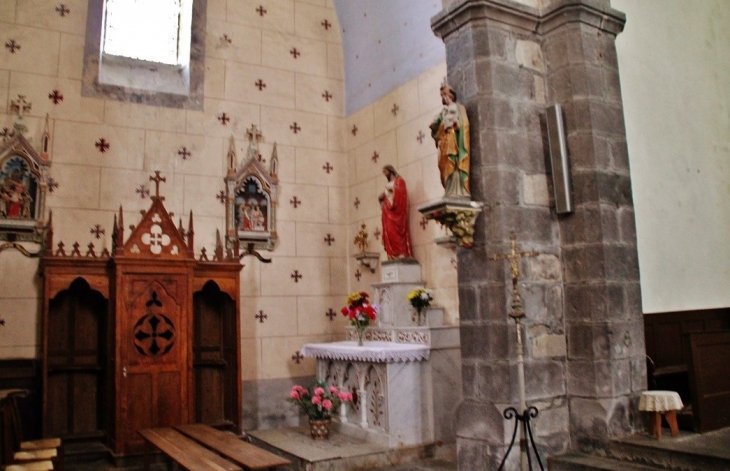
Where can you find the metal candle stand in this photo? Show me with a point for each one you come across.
(518, 314)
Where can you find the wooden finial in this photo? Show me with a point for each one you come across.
(191, 238)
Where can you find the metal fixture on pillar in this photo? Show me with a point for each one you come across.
(559, 162)
(524, 414)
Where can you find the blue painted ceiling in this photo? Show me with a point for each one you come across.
(385, 44)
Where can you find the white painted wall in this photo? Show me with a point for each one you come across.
(674, 60)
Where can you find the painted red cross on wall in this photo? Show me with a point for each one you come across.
(102, 145)
(98, 231)
(55, 96)
(297, 357)
(261, 316)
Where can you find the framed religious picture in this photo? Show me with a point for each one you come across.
(23, 174)
(252, 196)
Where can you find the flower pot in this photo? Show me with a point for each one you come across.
(320, 429)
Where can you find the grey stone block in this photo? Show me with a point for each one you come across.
(619, 155)
(598, 379)
(477, 454)
(481, 421)
(590, 223)
(595, 421)
(621, 262)
(490, 41)
(509, 80)
(588, 151)
(469, 309)
(544, 379)
(583, 81)
(627, 225)
(493, 302)
(502, 185)
(489, 341)
(475, 266)
(469, 379)
(496, 383)
(584, 263)
(543, 303)
(494, 113)
(601, 186)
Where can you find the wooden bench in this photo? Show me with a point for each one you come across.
(233, 448)
(183, 451)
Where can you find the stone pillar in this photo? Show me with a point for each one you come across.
(585, 344)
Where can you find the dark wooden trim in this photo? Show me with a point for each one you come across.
(20, 374)
(664, 333)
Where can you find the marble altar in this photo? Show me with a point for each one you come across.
(406, 378)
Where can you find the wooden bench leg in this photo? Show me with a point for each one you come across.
(671, 416)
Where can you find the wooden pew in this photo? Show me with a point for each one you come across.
(183, 451)
(232, 447)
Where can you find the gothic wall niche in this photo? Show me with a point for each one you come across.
(23, 184)
(252, 197)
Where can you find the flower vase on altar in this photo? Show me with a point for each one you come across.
(360, 333)
(320, 429)
(360, 312)
(420, 299)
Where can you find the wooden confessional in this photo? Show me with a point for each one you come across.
(144, 336)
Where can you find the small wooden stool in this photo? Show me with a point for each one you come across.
(661, 402)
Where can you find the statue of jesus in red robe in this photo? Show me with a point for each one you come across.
(394, 206)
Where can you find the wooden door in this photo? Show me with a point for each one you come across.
(76, 359)
(710, 379)
(215, 357)
(152, 370)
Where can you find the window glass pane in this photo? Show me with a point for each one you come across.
(143, 29)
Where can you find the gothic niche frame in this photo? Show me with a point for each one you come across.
(252, 198)
(24, 175)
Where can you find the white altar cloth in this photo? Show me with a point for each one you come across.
(374, 352)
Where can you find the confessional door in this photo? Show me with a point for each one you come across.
(152, 371)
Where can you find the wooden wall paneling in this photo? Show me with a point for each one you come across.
(709, 373)
(74, 332)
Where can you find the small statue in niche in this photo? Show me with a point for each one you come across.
(450, 131)
(394, 208)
